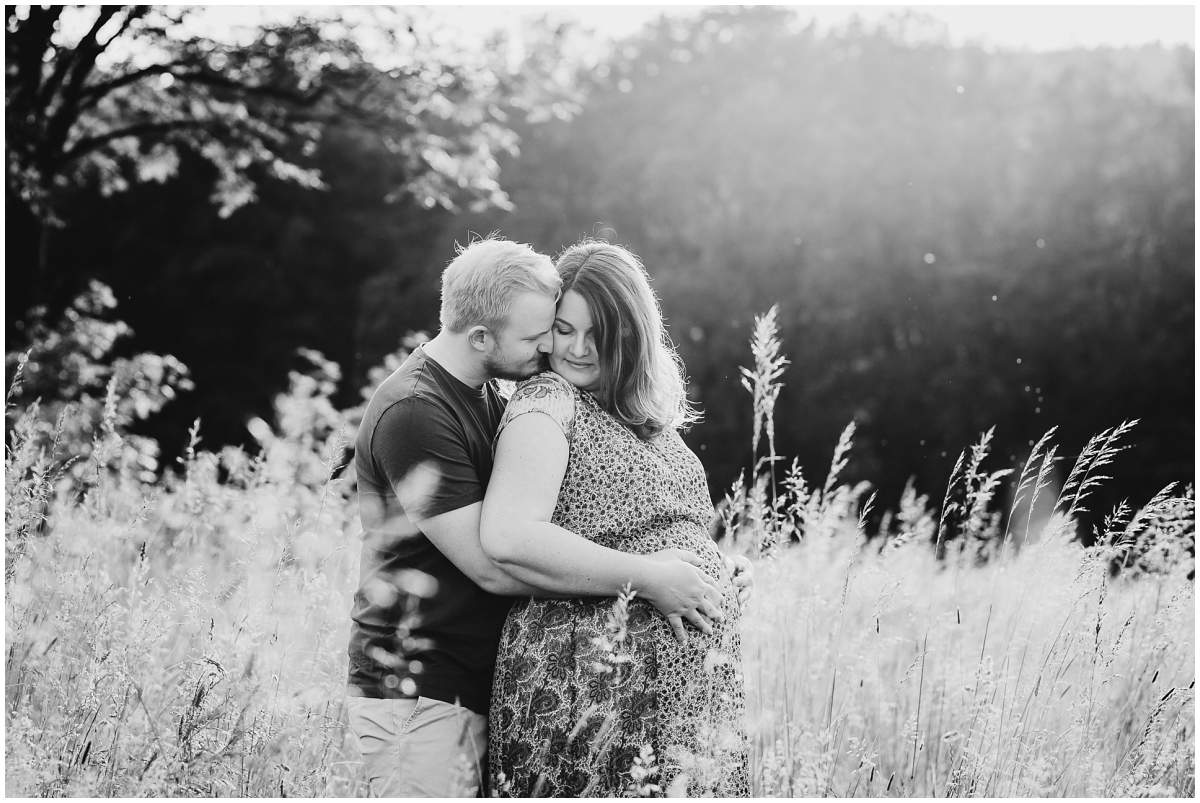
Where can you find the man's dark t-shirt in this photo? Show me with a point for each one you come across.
(420, 626)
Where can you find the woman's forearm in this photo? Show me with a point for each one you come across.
(516, 535)
(549, 557)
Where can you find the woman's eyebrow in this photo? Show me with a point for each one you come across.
(569, 325)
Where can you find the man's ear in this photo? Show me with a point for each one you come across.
(480, 338)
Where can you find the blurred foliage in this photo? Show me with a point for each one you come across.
(235, 296)
(955, 238)
(117, 103)
(106, 97)
(81, 392)
(200, 617)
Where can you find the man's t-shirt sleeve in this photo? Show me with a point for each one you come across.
(422, 453)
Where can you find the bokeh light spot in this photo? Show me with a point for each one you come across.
(417, 583)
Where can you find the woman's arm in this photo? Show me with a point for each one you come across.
(515, 532)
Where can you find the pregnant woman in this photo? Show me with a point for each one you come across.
(593, 448)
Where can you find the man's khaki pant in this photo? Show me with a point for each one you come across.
(419, 748)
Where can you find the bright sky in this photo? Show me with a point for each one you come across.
(1036, 27)
(1024, 26)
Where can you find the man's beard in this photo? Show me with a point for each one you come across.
(502, 370)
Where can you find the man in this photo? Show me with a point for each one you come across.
(427, 615)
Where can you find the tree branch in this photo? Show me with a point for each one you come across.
(135, 13)
(26, 47)
(91, 95)
(93, 143)
(80, 62)
(209, 78)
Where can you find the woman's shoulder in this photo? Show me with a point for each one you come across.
(545, 393)
(544, 385)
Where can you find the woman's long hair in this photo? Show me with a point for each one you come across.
(641, 377)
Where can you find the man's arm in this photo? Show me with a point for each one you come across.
(437, 485)
(663, 577)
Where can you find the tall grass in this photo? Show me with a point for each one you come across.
(1001, 662)
(187, 637)
(876, 672)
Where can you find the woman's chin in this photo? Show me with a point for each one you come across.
(573, 375)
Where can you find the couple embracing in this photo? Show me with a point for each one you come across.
(496, 535)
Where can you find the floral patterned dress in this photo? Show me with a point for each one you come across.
(579, 698)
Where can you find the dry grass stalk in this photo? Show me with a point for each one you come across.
(764, 386)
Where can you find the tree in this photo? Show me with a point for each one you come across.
(101, 97)
(332, 147)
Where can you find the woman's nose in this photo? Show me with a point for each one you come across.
(579, 346)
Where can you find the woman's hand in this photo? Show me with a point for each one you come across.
(741, 571)
(676, 585)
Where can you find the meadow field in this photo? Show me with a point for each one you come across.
(186, 635)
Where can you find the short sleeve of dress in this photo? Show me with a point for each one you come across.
(547, 393)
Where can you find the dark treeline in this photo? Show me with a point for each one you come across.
(956, 239)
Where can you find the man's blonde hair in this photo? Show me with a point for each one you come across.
(479, 284)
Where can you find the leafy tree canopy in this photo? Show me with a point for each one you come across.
(105, 96)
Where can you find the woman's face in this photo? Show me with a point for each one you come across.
(574, 357)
